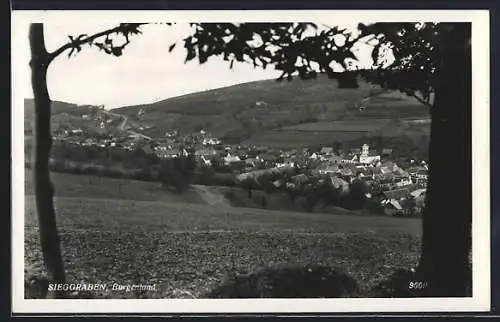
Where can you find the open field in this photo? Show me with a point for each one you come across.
(341, 126)
(325, 132)
(87, 186)
(188, 248)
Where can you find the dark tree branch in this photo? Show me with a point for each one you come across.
(421, 100)
(74, 44)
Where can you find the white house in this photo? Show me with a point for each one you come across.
(330, 169)
(422, 174)
(385, 170)
(277, 183)
(374, 159)
(210, 141)
(417, 193)
(404, 182)
(314, 156)
(392, 206)
(205, 161)
(353, 160)
(230, 159)
(205, 152)
(285, 164)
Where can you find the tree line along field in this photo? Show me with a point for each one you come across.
(188, 248)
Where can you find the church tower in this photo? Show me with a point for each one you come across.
(365, 150)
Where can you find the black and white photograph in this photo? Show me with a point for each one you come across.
(296, 161)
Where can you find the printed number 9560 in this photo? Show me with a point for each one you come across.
(417, 285)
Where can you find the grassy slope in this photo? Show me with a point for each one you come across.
(233, 111)
(187, 248)
(326, 132)
(63, 114)
(83, 186)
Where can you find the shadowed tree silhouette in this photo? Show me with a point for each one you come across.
(44, 191)
(431, 63)
(288, 281)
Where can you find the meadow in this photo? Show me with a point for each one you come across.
(345, 130)
(140, 234)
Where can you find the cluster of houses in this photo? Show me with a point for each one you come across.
(397, 189)
(83, 138)
(400, 191)
(403, 201)
(99, 115)
(80, 137)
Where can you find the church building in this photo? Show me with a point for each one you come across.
(365, 158)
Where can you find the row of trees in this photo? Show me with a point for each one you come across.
(136, 158)
(177, 172)
(325, 194)
(120, 163)
(115, 162)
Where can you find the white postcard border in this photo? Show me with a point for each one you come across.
(480, 151)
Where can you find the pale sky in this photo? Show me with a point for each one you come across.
(145, 73)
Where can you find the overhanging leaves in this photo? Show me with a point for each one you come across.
(304, 50)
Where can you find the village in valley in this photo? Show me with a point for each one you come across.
(398, 189)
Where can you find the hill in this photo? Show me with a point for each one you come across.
(294, 113)
(65, 116)
(245, 111)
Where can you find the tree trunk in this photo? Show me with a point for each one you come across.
(447, 219)
(44, 191)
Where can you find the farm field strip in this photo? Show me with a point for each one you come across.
(189, 264)
(163, 216)
(187, 249)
